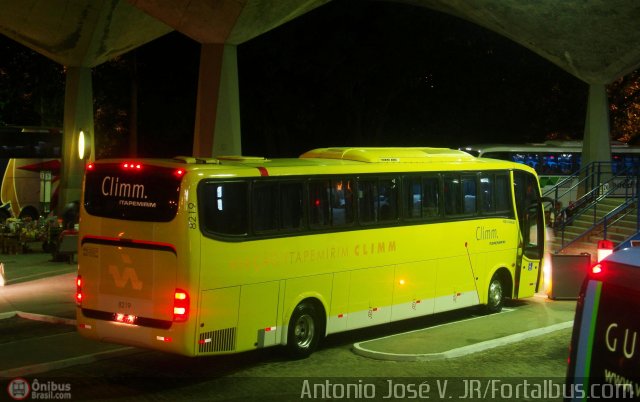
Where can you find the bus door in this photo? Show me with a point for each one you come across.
(531, 243)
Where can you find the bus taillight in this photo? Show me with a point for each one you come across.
(180, 305)
(132, 165)
(79, 290)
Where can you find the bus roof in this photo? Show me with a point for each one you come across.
(406, 155)
(337, 160)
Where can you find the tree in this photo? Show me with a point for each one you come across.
(624, 108)
(31, 87)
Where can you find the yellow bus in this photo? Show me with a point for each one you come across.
(30, 166)
(222, 255)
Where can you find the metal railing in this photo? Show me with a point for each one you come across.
(596, 182)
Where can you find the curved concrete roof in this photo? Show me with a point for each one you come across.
(595, 40)
(77, 32)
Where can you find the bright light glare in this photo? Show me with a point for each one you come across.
(596, 269)
(81, 144)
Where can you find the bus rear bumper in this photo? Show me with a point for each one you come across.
(172, 340)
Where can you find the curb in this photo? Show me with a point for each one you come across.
(38, 317)
(60, 364)
(9, 314)
(46, 318)
(462, 351)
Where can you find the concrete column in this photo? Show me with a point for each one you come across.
(597, 143)
(78, 115)
(217, 126)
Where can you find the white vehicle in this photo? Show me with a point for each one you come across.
(554, 161)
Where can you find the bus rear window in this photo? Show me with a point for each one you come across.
(144, 193)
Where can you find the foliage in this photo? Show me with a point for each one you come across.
(112, 105)
(624, 108)
(31, 87)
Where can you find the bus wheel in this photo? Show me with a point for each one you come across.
(495, 297)
(305, 330)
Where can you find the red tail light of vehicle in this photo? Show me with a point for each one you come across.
(180, 306)
(597, 269)
(79, 290)
(132, 165)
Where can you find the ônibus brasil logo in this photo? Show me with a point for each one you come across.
(19, 389)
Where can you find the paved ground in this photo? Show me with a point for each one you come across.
(37, 314)
(37, 317)
(35, 284)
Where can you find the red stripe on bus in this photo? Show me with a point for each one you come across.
(263, 171)
(122, 242)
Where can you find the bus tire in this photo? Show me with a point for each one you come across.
(305, 330)
(495, 295)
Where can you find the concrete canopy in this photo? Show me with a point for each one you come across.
(77, 32)
(597, 41)
(230, 22)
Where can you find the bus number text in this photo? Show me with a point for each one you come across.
(192, 221)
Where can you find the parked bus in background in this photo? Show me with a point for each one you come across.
(222, 255)
(554, 160)
(30, 162)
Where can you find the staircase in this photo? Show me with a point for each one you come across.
(582, 236)
(608, 209)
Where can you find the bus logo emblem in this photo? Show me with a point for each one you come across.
(129, 274)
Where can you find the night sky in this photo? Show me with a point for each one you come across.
(349, 73)
(368, 73)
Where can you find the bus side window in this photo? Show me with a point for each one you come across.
(413, 198)
(341, 202)
(224, 207)
(495, 194)
(431, 205)
(265, 206)
(319, 203)
(487, 203)
(452, 195)
(367, 200)
(503, 194)
(469, 194)
(388, 200)
(291, 210)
